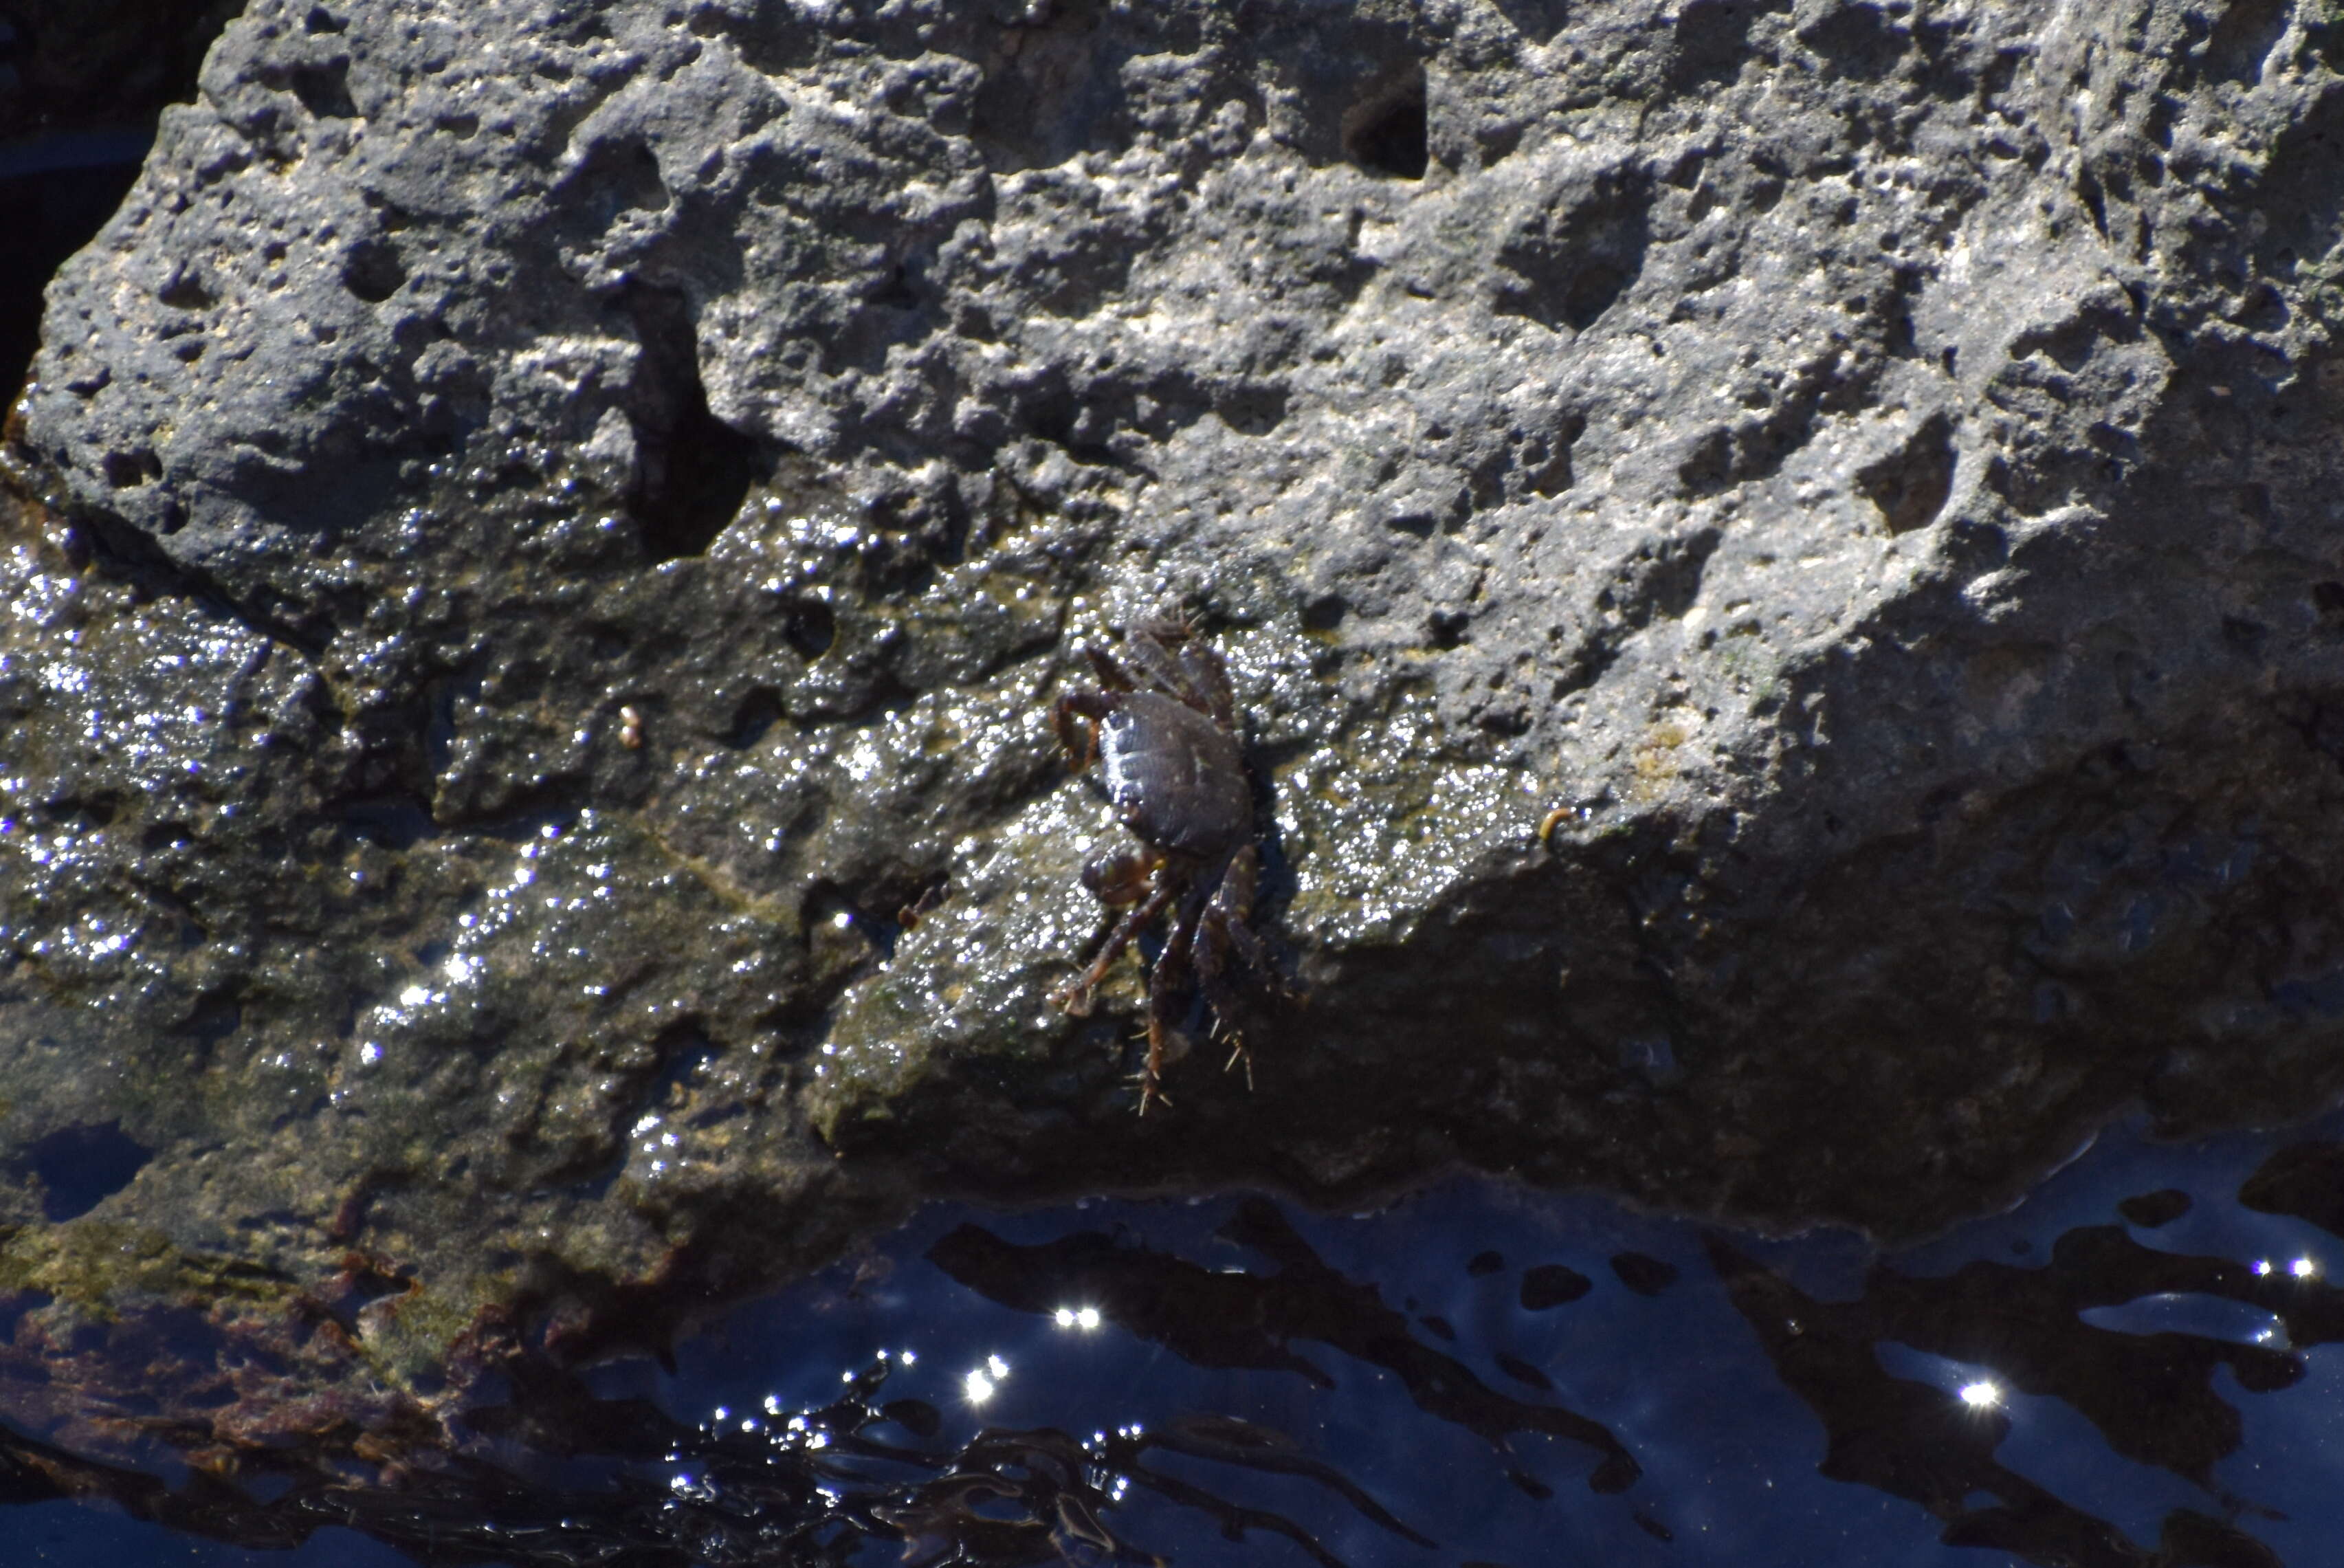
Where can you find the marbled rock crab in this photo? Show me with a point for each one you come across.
(1163, 728)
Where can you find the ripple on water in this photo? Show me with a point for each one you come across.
(2134, 1367)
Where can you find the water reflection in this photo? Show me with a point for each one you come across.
(1234, 1318)
(821, 1486)
(2150, 1396)
(2128, 1371)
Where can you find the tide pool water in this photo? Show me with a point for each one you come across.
(2133, 1367)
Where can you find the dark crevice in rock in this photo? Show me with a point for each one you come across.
(2150, 1210)
(1663, 579)
(896, 292)
(810, 626)
(1097, 424)
(695, 470)
(2242, 40)
(516, 811)
(1712, 39)
(1548, 463)
(81, 1166)
(1050, 90)
(756, 714)
(1911, 484)
(1579, 253)
(1385, 133)
(184, 290)
(1546, 1286)
(617, 176)
(1643, 1274)
(396, 821)
(2247, 638)
(1710, 467)
(532, 819)
(83, 813)
(438, 705)
(321, 87)
(2095, 197)
(1756, 449)
(2306, 1180)
(373, 270)
(128, 470)
(1082, 428)
(1251, 409)
(215, 1019)
(845, 927)
(1537, 20)
(1857, 40)
(683, 1052)
(2299, 199)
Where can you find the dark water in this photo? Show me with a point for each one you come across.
(55, 191)
(1476, 1375)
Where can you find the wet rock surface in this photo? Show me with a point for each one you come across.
(1782, 564)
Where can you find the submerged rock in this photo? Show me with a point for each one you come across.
(1782, 565)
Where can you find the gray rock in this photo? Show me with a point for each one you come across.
(1783, 562)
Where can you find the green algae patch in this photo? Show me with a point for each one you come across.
(101, 1268)
(116, 1274)
(408, 1338)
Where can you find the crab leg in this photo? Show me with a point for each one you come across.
(1076, 999)
(1112, 675)
(1212, 978)
(1159, 670)
(1208, 678)
(1223, 925)
(1166, 996)
(1075, 718)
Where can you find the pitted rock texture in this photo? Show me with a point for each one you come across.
(1784, 563)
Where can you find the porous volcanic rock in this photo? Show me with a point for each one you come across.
(1784, 565)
